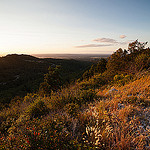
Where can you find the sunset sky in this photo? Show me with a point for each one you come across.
(72, 26)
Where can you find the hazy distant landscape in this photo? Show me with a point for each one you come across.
(73, 56)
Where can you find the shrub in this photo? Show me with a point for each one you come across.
(94, 82)
(52, 81)
(37, 109)
(118, 77)
(142, 61)
(45, 133)
(87, 96)
(122, 79)
(131, 99)
(137, 101)
(72, 109)
(30, 97)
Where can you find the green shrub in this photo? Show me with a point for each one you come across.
(92, 83)
(37, 109)
(122, 79)
(87, 96)
(30, 97)
(46, 133)
(118, 77)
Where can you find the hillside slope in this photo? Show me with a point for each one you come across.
(76, 118)
(108, 108)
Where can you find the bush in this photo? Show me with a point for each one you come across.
(137, 101)
(142, 61)
(37, 109)
(121, 79)
(131, 99)
(87, 96)
(45, 133)
(72, 109)
(30, 97)
(118, 77)
(94, 82)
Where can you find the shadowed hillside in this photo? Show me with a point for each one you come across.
(21, 74)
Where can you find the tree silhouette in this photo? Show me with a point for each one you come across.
(52, 81)
(136, 46)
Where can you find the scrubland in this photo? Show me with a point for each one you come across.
(107, 109)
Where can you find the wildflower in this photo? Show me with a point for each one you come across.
(28, 141)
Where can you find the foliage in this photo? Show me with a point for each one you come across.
(71, 95)
(53, 78)
(72, 109)
(117, 61)
(142, 61)
(122, 79)
(37, 109)
(136, 46)
(100, 67)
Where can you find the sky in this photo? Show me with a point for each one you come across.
(72, 26)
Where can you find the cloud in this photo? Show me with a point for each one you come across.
(105, 40)
(123, 36)
(93, 45)
(108, 41)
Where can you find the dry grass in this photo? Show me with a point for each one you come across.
(79, 120)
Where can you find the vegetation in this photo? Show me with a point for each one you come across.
(108, 107)
(52, 81)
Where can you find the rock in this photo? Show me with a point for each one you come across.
(141, 129)
(111, 90)
(129, 95)
(148, 128)
(120, 106)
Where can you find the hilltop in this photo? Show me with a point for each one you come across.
(108, 107)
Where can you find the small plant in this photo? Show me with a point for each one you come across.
(30, 97)
(122, 79)
(118, 77)
(72, 109)
(131, 99)
(137, 101)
